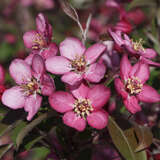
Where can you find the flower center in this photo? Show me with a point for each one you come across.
(138, 45)
(39, 42)
(31, 87)
(83, 107)
(79, 64)
(134, 85)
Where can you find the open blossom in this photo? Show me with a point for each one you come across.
(32, 81)
(131, 85)
(40, 40)
(83, 105)
(124, 43)
(76, 62)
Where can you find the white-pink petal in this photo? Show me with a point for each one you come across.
(58, 65)
(142, 72)
(131, 103)
(29, 58)
(98, 119)
(72, 78)
(41, 22)
(38, 65)
(72, 120)
(125, 67)
(61, 101)
(32, 105)
(47, 86)
(13, 98)
(20, 71)
(71, 48)
(93, 52)
(50, 51)
(80, 92)
(29, 38)
(148, 95)
(99, 95)
(95, 72)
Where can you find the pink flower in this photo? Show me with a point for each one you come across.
(136, 16)
(84, 104)
(136, 49)
(40, 40)
(131, 85)
(76, 62)
(31, 81)
(124, 26)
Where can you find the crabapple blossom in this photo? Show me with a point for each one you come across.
(77, 63)
(83, 105)
(134, 48)
(32, 81)
(40, 40)
(131, 85)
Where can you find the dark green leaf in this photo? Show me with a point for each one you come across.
(123, 144)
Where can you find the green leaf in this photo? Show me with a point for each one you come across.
(124, 144)
(17, 130)
(144, 136)
(29, 145)
(5, 149)
(4, 128)
(142, 3)
(28, 128)
(6, 52)
(40, 153)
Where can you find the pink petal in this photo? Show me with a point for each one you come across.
(150, 62)
(134, 69)
(131, 103)
(95, 72)
(29, 38)
(61, 101)
(13, 98)
(149, 95)
(38, 65)
(58, 65)
(125, 67)
(41, 22)
(20, 71)
(99, 95)
(81, 91)
(142, 72)
(47, 86)
(71, 78)
(32, 105)
(149, 53)
(120, 88)
(98, 119)
(93, 52)
(71, 48)
(29, 58)
(116, 37)
(72, 120)
(49, 52)
(2, 75)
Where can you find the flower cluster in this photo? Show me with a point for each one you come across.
(84, 72)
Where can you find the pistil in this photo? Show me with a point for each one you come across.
(138, 45)
(134, 85)
(79, 64)
(83, 107)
